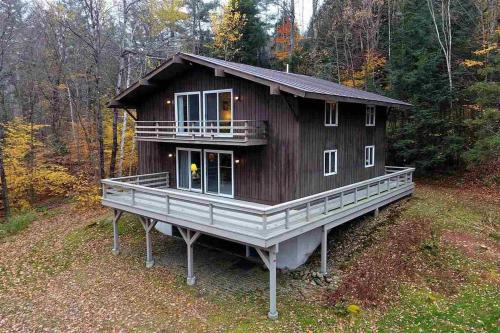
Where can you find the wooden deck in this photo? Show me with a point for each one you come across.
(251, 223)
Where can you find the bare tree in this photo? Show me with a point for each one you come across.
(91, 29)
(442, 25)
(10, 12)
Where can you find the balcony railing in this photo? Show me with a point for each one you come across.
(243, 132)
(245, 217)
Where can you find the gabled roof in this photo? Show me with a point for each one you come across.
(296, 84)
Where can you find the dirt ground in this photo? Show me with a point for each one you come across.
(59, 275)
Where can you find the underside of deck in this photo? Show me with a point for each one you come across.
(260, 226)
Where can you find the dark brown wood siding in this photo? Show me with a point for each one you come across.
(265, 174)
(290, 166)
(349, 138)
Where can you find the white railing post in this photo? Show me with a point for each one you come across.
(378, 187)
(355, 195)
(326, 205)
(157, 130)
(104, 189)
(287, 217)
(167, 201)
(264, 222)
(308, 207)
(211, 212)
(133, 197)
(246, 130)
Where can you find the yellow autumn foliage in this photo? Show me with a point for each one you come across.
(30, 172)
(373, 61)
(228, 30)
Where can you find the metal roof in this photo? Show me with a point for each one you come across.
(297, 84)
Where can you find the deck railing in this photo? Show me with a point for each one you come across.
(260, 219)
(243, 130)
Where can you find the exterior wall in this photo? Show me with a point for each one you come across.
(349, 138)
(265, 174)
(290, 166)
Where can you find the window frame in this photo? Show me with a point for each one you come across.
(371, 113)
(177, 169)
(205, 183)
(204, 120)
(187, 93)
(328, 153)
(328, 114)
(367, 157)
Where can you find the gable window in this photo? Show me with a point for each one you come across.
(370, 115)
(330, 162)
(331, 114)
(188, 111)
(218, 110)
(369, 156)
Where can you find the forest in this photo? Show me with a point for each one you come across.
(61, 61)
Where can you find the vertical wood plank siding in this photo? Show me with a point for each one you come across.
(349, 138)
(265, 174)
(290, 166)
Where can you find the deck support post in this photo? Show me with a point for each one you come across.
(148, 224)
(116, 241)
(376, 212)
(189, 237)
(324, 250)
(269, 260)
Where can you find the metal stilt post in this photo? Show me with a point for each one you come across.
(189, 238)
(191, 279)
(273, 313)
(116, 241)
(148, 224)
(376, 212)
(324, 250)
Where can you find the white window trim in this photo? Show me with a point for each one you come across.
(367, 164)
(176, 113)
(329, 152)
(205, 151)
(218, 120)
(177, 168)
(329, 114)
(370, 108)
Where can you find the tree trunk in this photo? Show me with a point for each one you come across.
(3, 177)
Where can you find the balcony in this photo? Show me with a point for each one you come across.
(248, 222)
(235, 132)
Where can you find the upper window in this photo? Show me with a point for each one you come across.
(187, 111)
(330, 162)
(370, 115)
(218, 110)
(331, 114)
(369, 156)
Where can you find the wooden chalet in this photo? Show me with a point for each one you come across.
(264, 158)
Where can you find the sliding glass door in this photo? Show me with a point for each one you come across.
(187, 112)
(216, 168)
(189, 169)
(219, 172)
(218, 111)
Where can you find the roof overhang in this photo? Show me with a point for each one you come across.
(180, 62)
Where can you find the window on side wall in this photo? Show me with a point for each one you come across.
(369, 156)
(330, 162)
(370, 115)
(331, 114)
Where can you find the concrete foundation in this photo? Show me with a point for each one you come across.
(164, 228)
(295, 252)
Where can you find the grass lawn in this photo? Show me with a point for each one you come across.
(426, 264)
